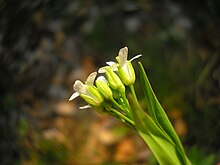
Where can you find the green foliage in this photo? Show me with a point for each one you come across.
(155, 128)
(160, 144)
(157, 113)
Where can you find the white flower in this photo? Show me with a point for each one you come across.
(87, 91)
(124, 66)
(111, 64)
(123, 56)
(80, 88)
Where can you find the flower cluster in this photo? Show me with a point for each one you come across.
(107, 94)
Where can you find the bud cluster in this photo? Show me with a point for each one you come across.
(107, 94)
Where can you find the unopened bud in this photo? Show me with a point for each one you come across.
(103, 87)
(126, 73)
(94, 97)
(114, 80)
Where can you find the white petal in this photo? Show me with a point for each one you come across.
(135, 57)
(91, 78)
(102, 78)
(114, 67)
(110, 63)
(102, 70)
(123, 55)
(74, 95)
(85, 107)
(79, 87)
(126, 70)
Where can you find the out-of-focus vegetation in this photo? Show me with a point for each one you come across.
(46, 45)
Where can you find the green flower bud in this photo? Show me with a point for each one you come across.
(116, 95)
(103, 87)
(114, 80)
(93, 97)
(126, 73)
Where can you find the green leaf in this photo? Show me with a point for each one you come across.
(158, 114)
(161, 146)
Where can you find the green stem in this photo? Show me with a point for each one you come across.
(122, 116)
(133, 92)
(125, 100)
(128, 107)
(116, 104)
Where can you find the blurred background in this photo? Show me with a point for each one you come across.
(47, 44)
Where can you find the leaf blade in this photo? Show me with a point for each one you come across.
(162, 147)
(157, 113)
